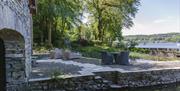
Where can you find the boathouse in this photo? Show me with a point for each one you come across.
(162, 49)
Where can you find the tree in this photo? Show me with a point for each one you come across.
(57, 16)
(112, 15)
(58, 20)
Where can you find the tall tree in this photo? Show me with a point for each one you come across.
(112, 15)
(56, 15)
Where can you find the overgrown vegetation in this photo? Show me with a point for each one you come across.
(169, 37)
(57, 74)
(59, 21)
(95, 51)
(89, 27)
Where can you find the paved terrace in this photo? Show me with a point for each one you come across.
(87, 66)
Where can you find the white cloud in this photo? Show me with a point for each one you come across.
(139, 26)
(164, 20)
(155, 27)
(160, 21)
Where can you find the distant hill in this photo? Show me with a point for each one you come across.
(168, 37)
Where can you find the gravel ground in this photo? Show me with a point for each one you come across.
(46, 69)
(135, 65)
(84, 65)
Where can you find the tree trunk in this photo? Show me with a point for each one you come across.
(42, 38)
(50, 35)
(100, 27)
(80, 32)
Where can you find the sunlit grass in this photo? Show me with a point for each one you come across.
(95, 52)
(135, 55)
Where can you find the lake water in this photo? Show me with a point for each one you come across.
(159, 45)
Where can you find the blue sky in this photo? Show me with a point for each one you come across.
(156, 16)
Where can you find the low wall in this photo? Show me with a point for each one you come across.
(83, 83)
(143, 78)
(103, 81)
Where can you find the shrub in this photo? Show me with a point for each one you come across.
(82, 42)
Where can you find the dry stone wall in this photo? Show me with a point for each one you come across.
(15, 16)
(15, 64)
(142, 78)
(104, 81)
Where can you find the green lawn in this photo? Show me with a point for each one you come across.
(95, 52)
(135, 55)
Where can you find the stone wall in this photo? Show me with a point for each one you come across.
(15, 16)
(15, 31)
(149, 78)
(104, 81)
(143, 78)
(15, 63)
(83, 83)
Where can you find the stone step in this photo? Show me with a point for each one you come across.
(12, 49)
(16, 51)
(115, 86)
(8, 59)
(7, 41)
(105, 81)
(97, 77)
(14, 55)
(13, 45)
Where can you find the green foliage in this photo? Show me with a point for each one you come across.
(95, 51)
(57, 73)
(54, 20)
(139, 50)
(39, 49)
(111, 16)
(169, 37)
(175, 38)
(60, 20)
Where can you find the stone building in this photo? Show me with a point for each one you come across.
(15, 42)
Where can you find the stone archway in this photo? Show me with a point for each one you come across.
(2, 66)
(13, 63)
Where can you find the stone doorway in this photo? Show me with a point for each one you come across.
(12, 60)
(2, 66)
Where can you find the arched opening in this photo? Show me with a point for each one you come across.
(2, 66)
(12, 59)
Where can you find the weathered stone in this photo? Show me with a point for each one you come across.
(15, 31)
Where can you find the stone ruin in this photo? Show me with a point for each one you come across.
(15, 42)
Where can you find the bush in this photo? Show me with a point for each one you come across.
(41, 49)
(82, 42)
(139, 50)
(94, 51)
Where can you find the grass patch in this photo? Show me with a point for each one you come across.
(94, 51)
(135, 55)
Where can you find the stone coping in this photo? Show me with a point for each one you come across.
(158, 69)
